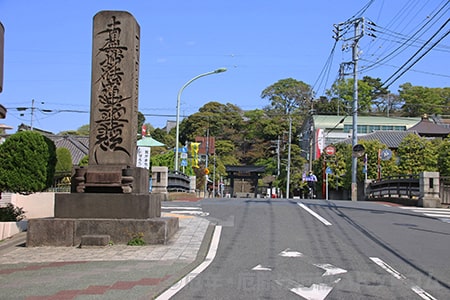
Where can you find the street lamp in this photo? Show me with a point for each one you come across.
(178, 110)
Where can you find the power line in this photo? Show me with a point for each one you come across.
(419, 58)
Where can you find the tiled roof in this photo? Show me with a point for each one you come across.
(391, 138)
(77, 145)
(427, 128)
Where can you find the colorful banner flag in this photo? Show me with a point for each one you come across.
(194, 151)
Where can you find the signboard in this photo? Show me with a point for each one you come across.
(386, 154)
(143, 157)
(358, 150)
(330, 150)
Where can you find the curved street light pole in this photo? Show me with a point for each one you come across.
(178, 110)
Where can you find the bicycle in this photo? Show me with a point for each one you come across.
(311, 194)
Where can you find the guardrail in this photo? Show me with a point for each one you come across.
(403, 189)
(178, 182)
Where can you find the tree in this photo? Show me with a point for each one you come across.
(82, 130)
(444, 157)
(27, 162)
(417, 155)
(290, 101)
(221, 120)
(387, 167)
(84, 161)
(64, 160)
(422, 100)
(288, 94)
(323, 106)
(141, 121)
(378, 92)
(340, 165)
(343, 89)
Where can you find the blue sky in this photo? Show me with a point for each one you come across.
(47, 53)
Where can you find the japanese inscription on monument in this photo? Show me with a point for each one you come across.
(114, 94)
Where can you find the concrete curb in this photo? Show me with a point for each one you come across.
(201, 255)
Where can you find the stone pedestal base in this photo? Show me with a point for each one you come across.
(430, 202)
(121, 217)
(67, 232)
(106, 205)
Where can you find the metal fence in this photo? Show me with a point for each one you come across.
(444, 190)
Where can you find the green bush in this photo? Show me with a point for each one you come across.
(11, 213)
(64, 160)
(137, 239)
(27, 163)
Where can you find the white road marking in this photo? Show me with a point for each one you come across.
(188, 212)
(422, 294)
(330, 269)
(185, 210)
(425, 208)
(416, 289)
(314, 292)
(261, 268)
(200, 268)
(437, 215)
(290, 253)
(314, 214)
(182, 207)
(443, 214)
(387, 268)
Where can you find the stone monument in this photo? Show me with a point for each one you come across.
(109, 198)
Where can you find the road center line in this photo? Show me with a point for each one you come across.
(200, 268)
(314, 214)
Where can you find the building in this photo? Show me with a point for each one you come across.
(318, 131)
(427, 128)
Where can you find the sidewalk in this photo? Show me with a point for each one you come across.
(112, 272)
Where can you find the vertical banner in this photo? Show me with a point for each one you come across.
(320, 142)
(194, 151)
(144, 130)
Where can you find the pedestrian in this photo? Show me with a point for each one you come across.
(311, 180)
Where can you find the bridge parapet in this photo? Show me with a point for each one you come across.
(417, 190)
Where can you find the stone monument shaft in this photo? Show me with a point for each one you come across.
(114, 91)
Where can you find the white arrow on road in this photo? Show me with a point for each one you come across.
(330, 269)
(314, 292)
(261, 268)
(290, 253)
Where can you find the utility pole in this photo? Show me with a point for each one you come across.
(355, 55)
(32, 114)
(288, 177)
(358, 33)
(278, 157)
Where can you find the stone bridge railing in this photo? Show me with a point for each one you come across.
(419, 190)
(178, 182)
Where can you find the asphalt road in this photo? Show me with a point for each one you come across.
(316, 249)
